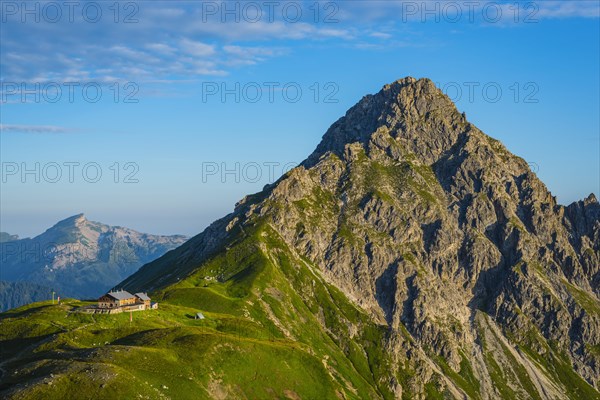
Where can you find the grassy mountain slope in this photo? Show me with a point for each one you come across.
(274, 329)
(250, 345)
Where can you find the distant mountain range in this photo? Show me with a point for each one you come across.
(16, 294)
(7, 237)
(75, 258)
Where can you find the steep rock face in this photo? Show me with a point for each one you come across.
(81, 258)
(582, 220)
(439, 233)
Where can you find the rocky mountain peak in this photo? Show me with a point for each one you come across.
(414, 112)
(591, 199)
(75, 220)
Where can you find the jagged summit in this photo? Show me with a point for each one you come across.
(403, 108)
(72, 220)
(591, 199)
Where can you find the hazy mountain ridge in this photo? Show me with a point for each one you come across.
(7, 237)
(16, 294)
(81, 258)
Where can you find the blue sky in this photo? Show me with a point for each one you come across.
(205, 88)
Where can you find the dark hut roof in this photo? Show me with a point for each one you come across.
(120, 295)
(143, 296)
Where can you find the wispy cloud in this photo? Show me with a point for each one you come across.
(170, 41)
(174, 41)
(479, 12)
(381, 35)
(569, 9)
(197, 49)
(244, 55)
(50, 129)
